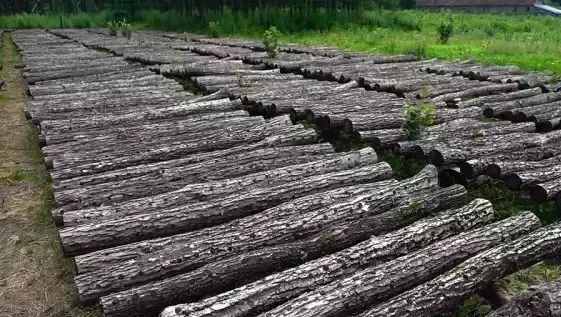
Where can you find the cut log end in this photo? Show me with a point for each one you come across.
(537, 193)
(493, 170)
(436, 158)
(544, 126)
(512, 181)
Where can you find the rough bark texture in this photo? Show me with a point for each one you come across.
(448, 290)
(233, 271)
(378, 283)
(266, 293)
(538, 301)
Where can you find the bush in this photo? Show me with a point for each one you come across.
(417, 118)
(113, 27)
(271, 41)
(445, 31)
(126, 29)
(213, 29)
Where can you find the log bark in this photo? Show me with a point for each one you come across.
(107, 193)
(495, 109)
(379, 283)
(481, 101)
(342, 234)
(457, 97)
(271, 291)
(292, 136)
(146, 225)
(92, 262)
(545, 191)
(526, 178)
(205, 167)
(445, 292)
(542, 300)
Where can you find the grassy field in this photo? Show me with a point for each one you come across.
(529, 41)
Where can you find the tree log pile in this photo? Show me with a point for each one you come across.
(184, 205)
(540, 300)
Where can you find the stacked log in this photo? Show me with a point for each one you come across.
(446, 291)
(539, 300)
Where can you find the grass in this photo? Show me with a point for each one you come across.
(528, 41)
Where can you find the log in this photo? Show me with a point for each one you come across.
(542, 300)
(497, 167)
(146, 224)
(495, 109)
(546, 190)
(292, 136)
(271, 291)
(92, 261)
(343, 297)
(530, 177)
(447, 291)
(108, 193)
(289, 250)
(371, 222)
(481, 101)
(205, 167)
(457, 97)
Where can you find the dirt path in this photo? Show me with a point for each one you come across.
(35, 280)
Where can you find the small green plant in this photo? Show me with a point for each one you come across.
(126, 29)
(113, 27)
(417, 118)
(213, 29)
(271, 41)
(445, 31)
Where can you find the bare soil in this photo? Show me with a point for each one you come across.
(35, 279)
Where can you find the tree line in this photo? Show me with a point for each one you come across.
(190, 6)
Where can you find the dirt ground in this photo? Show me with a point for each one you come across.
(35, 279)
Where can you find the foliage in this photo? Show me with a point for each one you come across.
(126, 29)
(271, 41)
(417, 117)
(445, 31)
(113, 27)
(213, 29)
(80, 20)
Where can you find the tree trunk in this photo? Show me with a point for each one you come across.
(147, 224)
(290, 248)
(541, 300)
(533, 176)
(109, 193)
(482, 101)
(269, 292)
(447, 291)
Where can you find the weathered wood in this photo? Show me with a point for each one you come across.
(292, 136)
(379, 283)
(342, 233)
(481, 101)
(495, 109)
(542, 300)
(266, 293)
(146, 224)
(445, 292)
(107, 193)
(457, 97)
(93, 261)
(547, 190)
(533, 176)
(205, 167)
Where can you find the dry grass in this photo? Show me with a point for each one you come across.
(35, 279)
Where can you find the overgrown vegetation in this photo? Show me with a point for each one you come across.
(418, 116)
(271, 41)
(445, 31)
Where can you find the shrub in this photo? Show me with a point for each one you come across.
(213, 29)
(417, 118)
(113, 26)
(271, 41)
(126, 29)
(445, 31)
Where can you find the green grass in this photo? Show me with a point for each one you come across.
(528, 41)
(29, 21)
